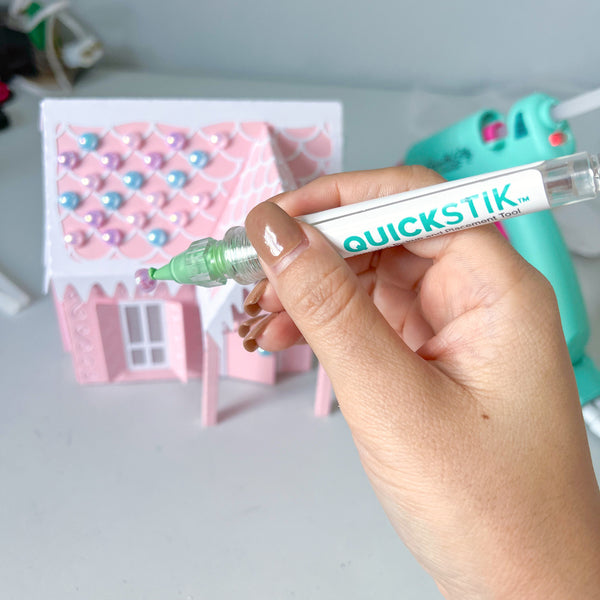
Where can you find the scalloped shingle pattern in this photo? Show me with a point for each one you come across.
(256, 163)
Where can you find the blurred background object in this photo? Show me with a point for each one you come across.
(442, 46)
(44, 47)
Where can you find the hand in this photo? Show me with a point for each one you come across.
(449, 365)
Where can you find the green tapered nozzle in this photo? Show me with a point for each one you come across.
(162, 274)
(194, 265)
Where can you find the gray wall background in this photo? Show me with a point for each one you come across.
(462, 45)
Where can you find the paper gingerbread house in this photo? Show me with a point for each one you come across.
(131, 183)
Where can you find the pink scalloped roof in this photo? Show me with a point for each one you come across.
(256, 163)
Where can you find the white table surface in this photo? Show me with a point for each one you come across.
(110, 492)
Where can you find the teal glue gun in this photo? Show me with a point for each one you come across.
(535, 128)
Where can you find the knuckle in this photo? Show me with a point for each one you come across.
(534, 296)
(544, 292)
(543, 285)
(533, 281)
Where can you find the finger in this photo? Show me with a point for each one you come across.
(391, 278)
(331, 191)
(337, 318)
(262, 298)
(400, 270)
(273, 332)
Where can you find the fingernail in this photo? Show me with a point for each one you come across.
(251, 303)
(250, 344)
(246, 326)
(276, 237)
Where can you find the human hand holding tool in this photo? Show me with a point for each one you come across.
(449, 365)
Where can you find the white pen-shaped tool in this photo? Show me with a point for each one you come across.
(392, 220)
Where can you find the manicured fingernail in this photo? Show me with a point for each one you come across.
(246, 326)
(250, 344)
(276, 237)
(251, 303)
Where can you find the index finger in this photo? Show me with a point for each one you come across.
(340, 189)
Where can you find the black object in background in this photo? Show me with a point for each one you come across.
(4, 122)
(16, 54)
(16, 58)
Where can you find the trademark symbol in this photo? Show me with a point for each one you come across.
(525, 199)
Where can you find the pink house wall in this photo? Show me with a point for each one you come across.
(296, 359)
(92, 332)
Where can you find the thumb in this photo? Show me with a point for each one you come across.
(352, 340)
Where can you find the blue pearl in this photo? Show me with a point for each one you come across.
(88, 141)
(133, 180)
(158, 237)
(112, 200)
(264, 352)
(177, 179)
(198, 159)
(69, 200)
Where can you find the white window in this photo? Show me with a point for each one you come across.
(144, 335)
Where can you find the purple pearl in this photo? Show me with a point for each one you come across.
(179, 218)
(92, 182)
(133, 140)
(176, 140)
(75, 238)
(111, 160)
(154, 160)
(203, 199)
(68, 160)
(95, 218)
(144, 282)
(156, 199)
(137, 219)
(220, 140)
(113, 237)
